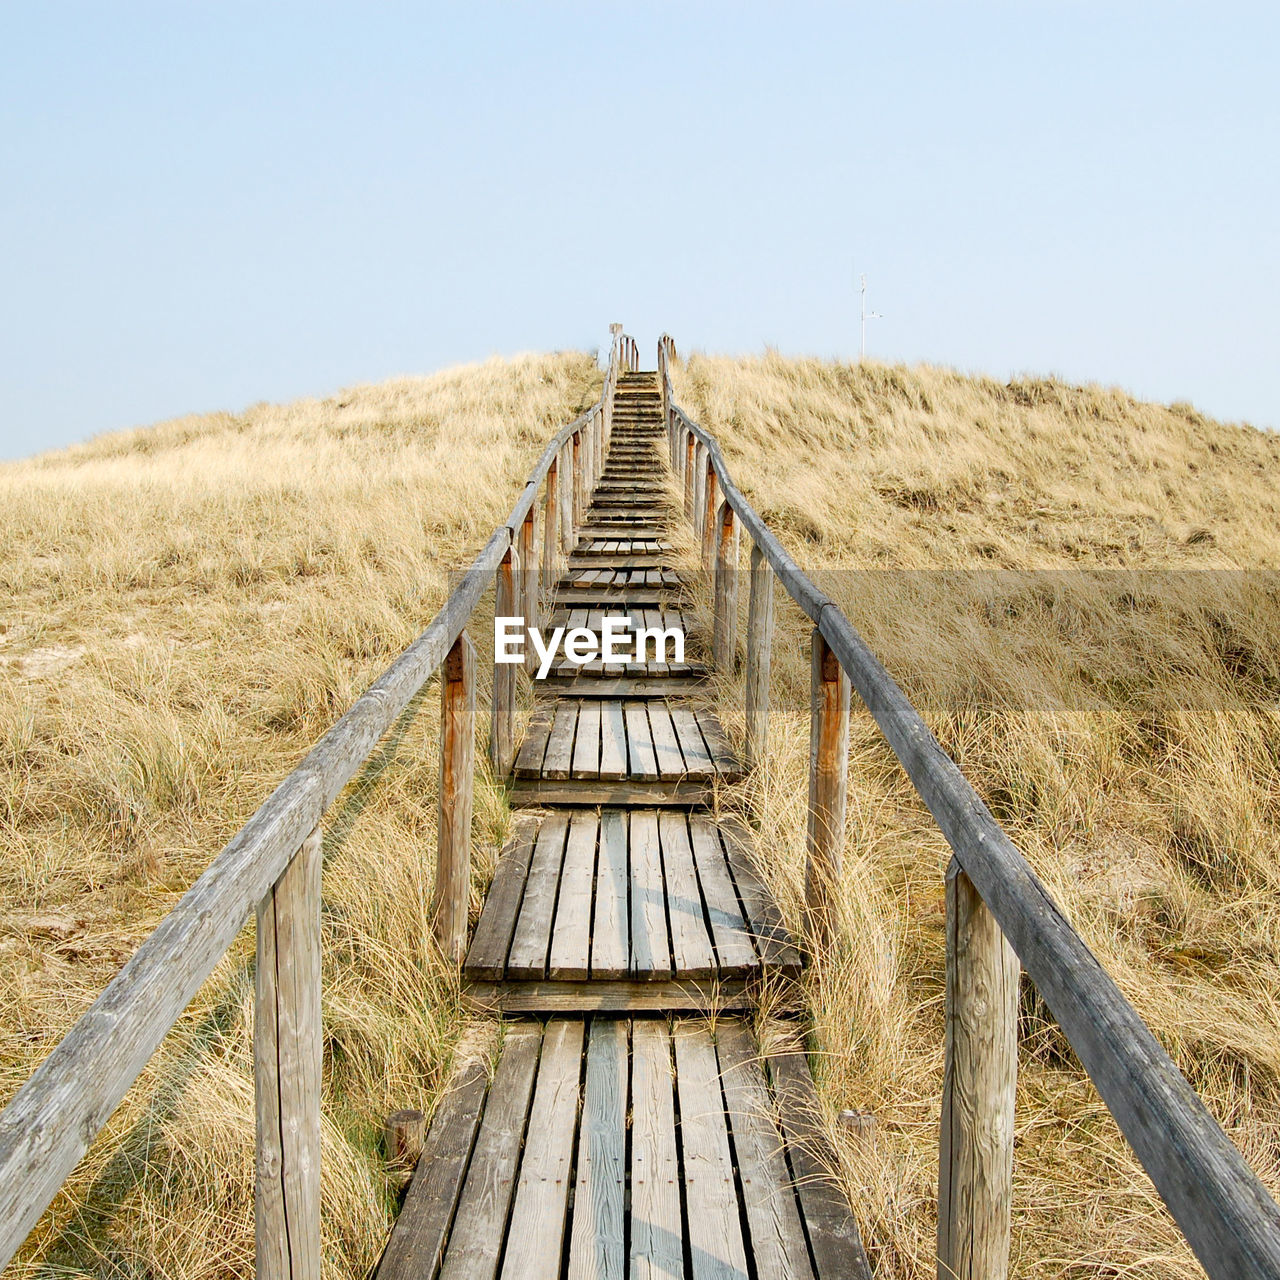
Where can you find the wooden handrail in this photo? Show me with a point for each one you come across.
(1223, 1209)
(50, 1122)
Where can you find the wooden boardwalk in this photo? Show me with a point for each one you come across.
(624, 1133)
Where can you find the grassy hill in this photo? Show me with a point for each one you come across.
(189, 606)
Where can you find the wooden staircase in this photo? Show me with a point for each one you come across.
(631, 1126)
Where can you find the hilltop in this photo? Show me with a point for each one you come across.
(190, 605)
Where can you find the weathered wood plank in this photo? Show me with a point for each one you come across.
(778, 1247)
(697, 759)
(536, 1233)
(656, 1226)
(597, 1245)
(529, 758)
(714, 1229)
(650, 947)
(485, 1202)
(502, 715)
(666, 746)
(487, 957)
(724, 644)
(610, 936)
(586, 746)
(691, 953)
(531, 940)
(833, 1234)
(764, 921)
(642, 761)
(735, 953)
(571, 937)
(613, 742)
(558, 760)
(416, 1246)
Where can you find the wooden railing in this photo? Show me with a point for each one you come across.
(998, 914)
(272, 865)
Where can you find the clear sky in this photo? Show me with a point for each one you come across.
(203, 205)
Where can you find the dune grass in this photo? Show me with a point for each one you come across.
(189, 606)
(1073, 589)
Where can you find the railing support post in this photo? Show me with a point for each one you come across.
(567, 497)
(690, 445)
(724, 636)
(975, 1160)
(452, 892)
(759, 656)
(502, 718)
(550, 534)
(287, 1058)
(828, 786)
(579, 479)
(710, 502)
(528, 561)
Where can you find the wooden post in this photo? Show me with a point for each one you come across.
(567, 496)
(759, 656)
(828, 786)
(502, 719)
(578, 479)
(710, 501)
(975, 1158)
(287, 1054)
(690, 445)
(528, 594)
(403, 1136)
(724, 643)
(550, 535)
(451, 895)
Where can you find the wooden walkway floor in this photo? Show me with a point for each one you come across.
(622, 1132)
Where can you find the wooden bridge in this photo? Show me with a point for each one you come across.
(632, 1125)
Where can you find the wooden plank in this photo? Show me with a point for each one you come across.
(535, 1236)
(735, 952)
(529, 792)
(550, 528)
(475, 1243)
(586, 747)
(558, 760)
(287, 1052)
(632, 687)
(691, 953)
(620, 997)
(711, 1202)
(778, 1245)
(666, 746)
(833, 1234)
(657, 1230)
(416, 1245)
(529, 758)
(451, 892)
(979, 1085)
(487, 957)
(697, 759)
(764, 920)
(597, 1245)
(610, 945)
(613, 742)
(532, 937)
(828, 787)
(722, 755)
(650, 947)
(724, 645)
(642, 762)
(571, 937)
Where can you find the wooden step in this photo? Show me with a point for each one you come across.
(618, 1146)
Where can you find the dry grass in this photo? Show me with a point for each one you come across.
(189, 607)
(1122, 725)
(186, 609)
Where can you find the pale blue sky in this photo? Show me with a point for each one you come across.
(204, 205)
